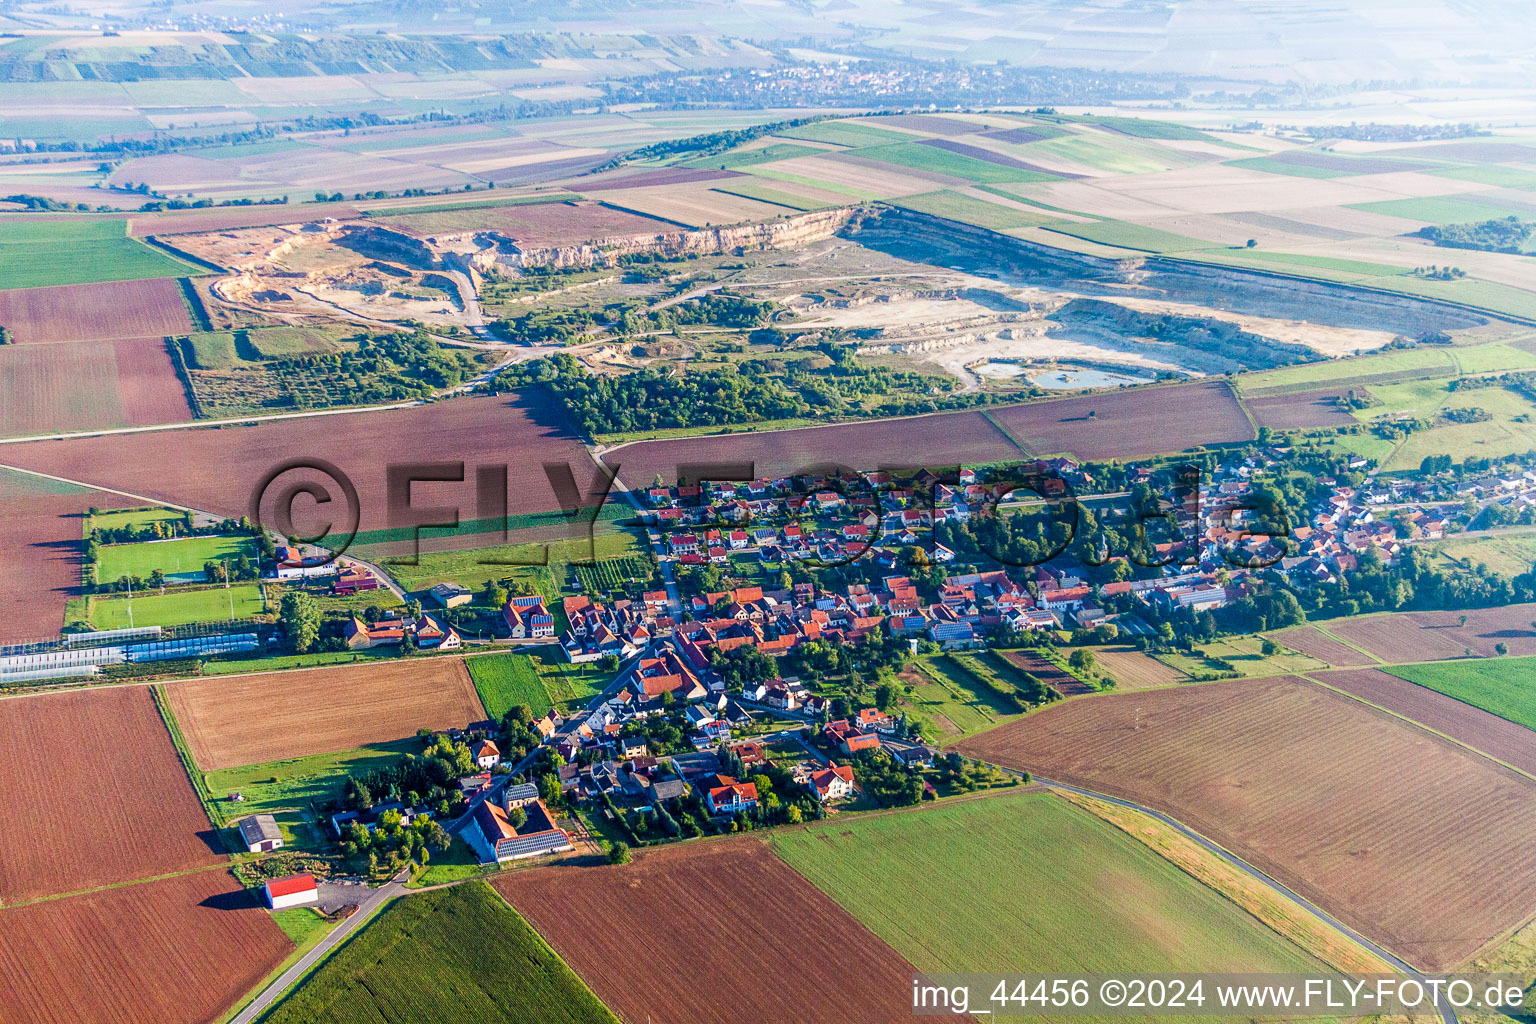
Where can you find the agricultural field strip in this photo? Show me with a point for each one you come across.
(1462, 896)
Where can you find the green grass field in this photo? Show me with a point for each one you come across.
(1245, 654)
(1430, 361)
(1350, 269)
(1491, 174)
(177, 608)
(756, 190)
(1033, 879)
(1130, 236)
(846, 133)
(448, 956)
(293, 790)
(749, 157)
(1272, 166)
(953, 704)
(1444, 209)
(504, 681)
(118, 518)
(969, 210)
(474, 567)
(172, 557)
(1502, 686)
(62, 229)
(942, 161)
(1115, 155)
(34, 254)
(1507, 555)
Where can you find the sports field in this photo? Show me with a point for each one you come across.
(172, 557)
(1032, 878)
(177, 608)
(450, 956)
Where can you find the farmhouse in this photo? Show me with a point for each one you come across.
(293, 891)
(494, 838)
(260, 833)
(352, 580)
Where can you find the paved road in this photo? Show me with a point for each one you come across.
(1447, 1013)
(376, 898)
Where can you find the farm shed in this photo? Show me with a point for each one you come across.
(293, 891)
(259, 833)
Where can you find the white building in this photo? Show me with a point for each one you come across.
(293, 891)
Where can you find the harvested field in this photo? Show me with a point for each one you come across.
(178, 951)
(522, 433)
(1128, 423)
(692, 205)
(93, 312)
(1513, 744)
(931, 123)
(1403, 637)
(531, 225)
(1133, 670)
(173, 222)
(1300, 411)
(230, 721)
(945, 439)
(1059, 679)
(108, 755)
(88, 385)
(40, 535)
(698, 901)
(1324, 793)
(660, 176)
(991, 157)
(1313, 642)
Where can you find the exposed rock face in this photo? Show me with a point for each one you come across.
(928, 239)
(485, 250)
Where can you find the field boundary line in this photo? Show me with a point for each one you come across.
(1330, 634)
(1085, 801)
(1447, 1014)
(188, 763)
(1420, 725)
(1013, 440)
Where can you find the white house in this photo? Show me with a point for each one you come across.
(293, 891)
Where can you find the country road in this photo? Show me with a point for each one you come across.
(283, 982)
(1447, 1013)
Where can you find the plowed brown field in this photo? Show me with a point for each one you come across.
(1311, 641)
(219, 469)
(1510, 743)
(1413, 840)
(713, 932)
(239, 720)
(41, 542)
(1298, 411)
(178, 951)
(947, 439)
(1133, 670)
(95, 312)
(94, 794)
(88, 385)
(1123, 424)
(1064, 682)
(1402, 637)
